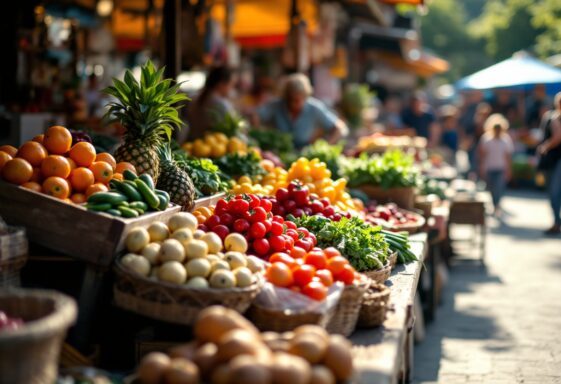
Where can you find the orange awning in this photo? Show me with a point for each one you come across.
(427, 65)
(412, 2)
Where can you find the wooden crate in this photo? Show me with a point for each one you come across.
(70, 229)
(208, 201)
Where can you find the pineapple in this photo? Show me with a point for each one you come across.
(175, 180)
(147, 112)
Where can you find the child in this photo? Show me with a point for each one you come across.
(495, 157)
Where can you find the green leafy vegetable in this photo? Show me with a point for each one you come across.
(362, 244)
(274, 141)
(235, 164)
(230, 125)
(329, 154)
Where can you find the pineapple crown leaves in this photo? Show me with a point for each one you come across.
(146, 108)
(165, 153)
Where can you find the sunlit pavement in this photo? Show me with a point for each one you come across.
(501, 324)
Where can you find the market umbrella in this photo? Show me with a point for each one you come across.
(520, 72)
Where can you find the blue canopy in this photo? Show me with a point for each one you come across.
(520, 72)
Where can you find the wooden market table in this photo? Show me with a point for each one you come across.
(384, 355)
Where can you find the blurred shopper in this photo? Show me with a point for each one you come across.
(482, 113)
(419, 116)
(550, 160)
(213, 103)
(495, 157)
(536, 104)
(449, 136)
(504, 103)
(390, 115)
(298, 113)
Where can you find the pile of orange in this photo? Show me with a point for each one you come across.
(51, 164)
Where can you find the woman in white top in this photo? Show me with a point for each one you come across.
(495, 157)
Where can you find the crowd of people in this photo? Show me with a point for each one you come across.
(477, 126)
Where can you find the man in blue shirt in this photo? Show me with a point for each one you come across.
(419, 117)
(305, 117)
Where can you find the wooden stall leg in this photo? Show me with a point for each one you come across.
(88, 297)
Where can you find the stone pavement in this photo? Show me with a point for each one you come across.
(502, 323)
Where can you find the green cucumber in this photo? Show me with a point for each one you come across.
(129, 175)
(114, 212)
(162, 192)
(107, 197)
(113, 183)
(127, 212)
(148, 180)
(130, 191)
(139, 205)
(149, 196)
(163, 202)
(99, 207)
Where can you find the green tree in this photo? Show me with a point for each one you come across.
(547, 16)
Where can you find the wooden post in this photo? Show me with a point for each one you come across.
(172, 33)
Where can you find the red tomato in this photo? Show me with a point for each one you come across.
(331, 252)
(261, 246)
(254, 201)
(221, 230)
(289, 205)
(290, 224)
(278, 219)
(304, 243)
(325, 276)
(267, 224)
(313, 239)
(257, 230)
(212, 221)
(317, 259)
(282, 257)
(282, 194)
(337, 264)
(258, 215)
(293, 234)
(276, 228)
(303, 231)
(241, 225)
(238, 206)
(298, 253)
(279, 274)
(226, 219)
(266, 204)
(303, 274)
(347, 275)
(277, 243)
(315, 290)
(288, 242)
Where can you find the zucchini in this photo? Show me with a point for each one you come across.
(148, 180)
(139, 205)
(107, 197)
(99, 207)
(164, 202)
(149, 196)
(127, 212)
(114, 212)
(129, 175)
(130, 191)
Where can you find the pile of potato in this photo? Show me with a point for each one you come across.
(229, 350)
(179, 253)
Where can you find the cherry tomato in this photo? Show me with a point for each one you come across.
(278, 219)
(315, 290)
(313, 239)
(221, 205)
(317, 259)
(331, 252)
(298, 253)
(254, 201)
(293, 234)
(290, 224)
(257, 230)
(303, 231)
(268, 225)
(238, 206)
(276, 228)
(325, 276)
(277, 243)
(328, 211)
(336, 217)
(266, 204)
(288, 242)
(297, 212)
(261, 246)
(316, 206)
(258, 214)
(279, 274)
(282, 257)
(303, 274)
(282, 194)
(300, 196)
(305, 244)
(241, 225)
(289, 205)
(212, 221)
(221, 230)
(279, 210)
(226, 219)
(347, 275)
(336, 264)
(293, 186)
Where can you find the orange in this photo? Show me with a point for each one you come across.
(57, 140)
(94, 188)
(39, 138)
(33, 152)
(279, 274)
(82, 153)
(17, 171)
(104, 156)
(102, 171)
(72, 164)
(124, 165)
(36, 176)
(118, 176)
(81, 178)
(10, 150)
(4, 158)
(32, 185)
(55, 165)
(78, 198)
(56, 187)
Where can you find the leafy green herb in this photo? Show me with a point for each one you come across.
(274, 141)
(362, 244)
(392, 170)
(235, 164)
(329, 154)
(230, 125)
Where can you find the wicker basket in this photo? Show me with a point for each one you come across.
(346, 313)
(172, 302)
(404, 197)
(380, 275)
(374, 306)
(13, 243)
(392, 259)
(283, 321)
(10, 271)
(30, 354)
